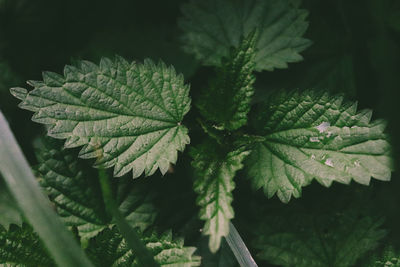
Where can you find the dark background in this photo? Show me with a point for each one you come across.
(355, 51)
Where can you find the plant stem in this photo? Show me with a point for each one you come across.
(35, 206)
(145, 258)
(239, 248)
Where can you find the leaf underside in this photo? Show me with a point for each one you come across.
(214, 171)
(125, 115)
(308, 136)
(74, 188)
(212, 27)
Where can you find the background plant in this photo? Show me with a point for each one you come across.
(248, 113)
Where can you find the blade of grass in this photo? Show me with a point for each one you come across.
(145, 258)
(36, 207)
(239, 248)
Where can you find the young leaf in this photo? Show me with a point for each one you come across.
(74, 188)
(20, 246)
(310, 135)
(211, 27)
(317, 240)
(227, 100)
(214, 171)
(129, 114)
(110, 249)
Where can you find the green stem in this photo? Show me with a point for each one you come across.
(239, 248)
(36, 207)
(145, 258)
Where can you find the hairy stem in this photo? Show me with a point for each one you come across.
(130, 235)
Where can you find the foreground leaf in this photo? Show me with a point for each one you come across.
(126, 115)
(214, 171)
(211, 27)
(227, 100)
(20, 246)
(317, 240)
(74, 188)
(310, 135)
(110, 249)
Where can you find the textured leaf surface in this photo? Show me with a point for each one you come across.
(310, 135)
(126, 115)
(227, 100)
(317, 240)
(211, 27)
(215, 170)
(74, 188)
(20, 246)
(110, 249)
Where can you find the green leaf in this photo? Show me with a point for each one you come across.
(317, 239)
(20, 246)
(311, 135)
(127, 115)
(214, 171)
(211, 27)
(73, 186)
(10, 213)
(390, 257)
(110, 249)
(227, 100)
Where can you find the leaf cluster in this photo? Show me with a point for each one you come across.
(263, 114)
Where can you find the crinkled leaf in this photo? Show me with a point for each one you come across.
(310, 135)
(317, 240)
(214, 171)
(73, 186)
(110, 249)
(20, 246)
(211, 27)
(126, 115)
(227, 100)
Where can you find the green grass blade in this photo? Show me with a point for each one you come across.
(239, 248)
(35, 206)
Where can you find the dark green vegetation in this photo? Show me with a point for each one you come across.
(156, 126)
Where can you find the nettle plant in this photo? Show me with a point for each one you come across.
(129, 117)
